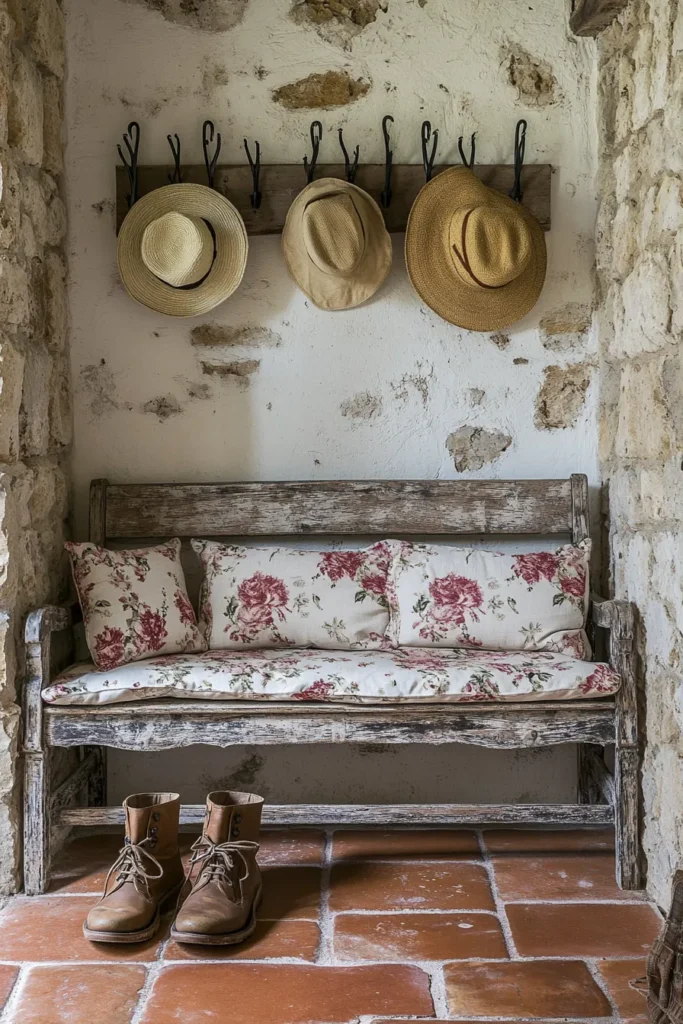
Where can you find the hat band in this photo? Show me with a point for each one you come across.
(462, 256)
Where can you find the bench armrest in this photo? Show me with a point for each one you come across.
(620, 619)
(44, 621)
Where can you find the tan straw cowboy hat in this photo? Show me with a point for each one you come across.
(476, 257)
(335, 244)
(182, 249)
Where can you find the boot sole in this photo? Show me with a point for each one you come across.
(124, 938)
(229, 938)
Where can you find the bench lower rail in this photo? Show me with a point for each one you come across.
(588, 815)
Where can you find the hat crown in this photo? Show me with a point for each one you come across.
(177, 248)
(333, 233)
(491, 246)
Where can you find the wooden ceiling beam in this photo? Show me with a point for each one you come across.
(591, 17)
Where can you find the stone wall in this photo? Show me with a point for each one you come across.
(35, 418)
(640, 273)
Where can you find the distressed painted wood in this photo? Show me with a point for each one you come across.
(432, 507)
(580, 524)
(596, 782)
(591, 17)
(76, 784)
(164, 725)
(98, 511)
(382, 814)
(281, 183)
(623, 657)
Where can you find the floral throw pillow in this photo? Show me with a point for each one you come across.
(464, 597)
(285, 597)
(134, 603)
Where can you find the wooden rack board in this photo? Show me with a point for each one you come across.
(280, 183)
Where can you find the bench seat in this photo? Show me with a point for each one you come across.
(407, 674)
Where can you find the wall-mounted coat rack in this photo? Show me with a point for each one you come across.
(263, 193)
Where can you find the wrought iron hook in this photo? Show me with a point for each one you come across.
(176, 177)
(255, 174)
(316, 138)
(351, 169)
(385, 198)
(428, 158)
(132, 167)
(208, 132)
(520, 147)
(473, 148)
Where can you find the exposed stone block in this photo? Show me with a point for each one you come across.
(644, 431)
(53, 147)
(15, 299)
(10, 203)
(26, 110)
(473, 447)
(209, 15)
(45, 32)
(34, 423)
(562, 396)
(643, 322)
(321, 91)
(11, 386)
(56, 308)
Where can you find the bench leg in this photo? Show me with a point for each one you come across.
(626, 818)
(36, 823)
(97, 781)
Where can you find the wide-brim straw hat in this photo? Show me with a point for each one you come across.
(182, 249)
(335, 244)
(476, 257)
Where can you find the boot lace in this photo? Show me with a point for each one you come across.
(135, 864)
(220, 861)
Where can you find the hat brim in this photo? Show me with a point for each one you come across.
(431, 268)
(333, 291)
(231, 250)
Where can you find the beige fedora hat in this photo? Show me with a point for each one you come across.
(335, 244)
(182, 249)
(476, 257)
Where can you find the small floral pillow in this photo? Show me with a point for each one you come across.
(286, 597)
(134, 603)
(468, 597)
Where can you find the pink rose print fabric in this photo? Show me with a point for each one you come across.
(134, 603)
(468, 597)
(286, 597)
(409, 675)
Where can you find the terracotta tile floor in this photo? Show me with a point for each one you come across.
(357, 926)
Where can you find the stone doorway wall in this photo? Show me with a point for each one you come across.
(640, 280)
(35, 415)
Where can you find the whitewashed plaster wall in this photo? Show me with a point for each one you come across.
(374, 392)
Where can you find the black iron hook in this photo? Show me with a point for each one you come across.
(473, 148)
(520, 146)
(316, 137)
(132, 167)
(176, 177)
(428, 158)
(208, 132)
(385, 198)
(255, 174)
(351, 169)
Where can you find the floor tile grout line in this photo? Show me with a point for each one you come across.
(593, 965)
(12, 1001)
(325, 952)
(153, 971)
(500, 906)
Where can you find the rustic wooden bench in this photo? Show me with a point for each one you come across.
(133, 513)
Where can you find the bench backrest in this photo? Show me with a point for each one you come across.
(339, 508)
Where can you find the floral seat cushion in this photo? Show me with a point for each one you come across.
(406, 674)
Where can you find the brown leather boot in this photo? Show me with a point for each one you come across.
(224, 885)
(147, 873)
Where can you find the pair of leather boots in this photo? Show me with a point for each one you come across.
(217, 902)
